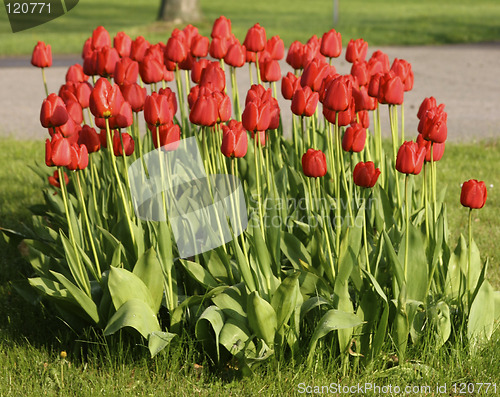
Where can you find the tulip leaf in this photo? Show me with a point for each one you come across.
(441, 320)
(79, 274)
(261, 317)
(244, 268)
(393, 260)
(199, 274)
(134, 313)
(148, 269)
(482, 316)
(232, 303)
(215, 317)
(331, 321)
(158, 340)
(235, 337)
(124, 285)
(285, 299)
(294, 250)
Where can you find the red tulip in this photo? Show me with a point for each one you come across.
(106, 99)
(270, 70)
(437, 149)
(172, 99)
(354, 138)
(158, 109)
(331, 44)
(359, 70)
(356, 50)
(256, 116)
(74, 109)
(42, 55)
(68, 130)
(87, 48)
(236, 55)
(362, 100)
(213, 77)
(128, 144)
(426, 104)
(199, 46)
(135, 95)
(218, 47)
(75, 74)
(410, 158)
(365, 174)
(90, 63)
(402, 69)
(53, 112)
(391, 89)
(89, 137)
(363, 118)
(54, 179)
(289, 85)
(314, 163)
(82, 93)
(151, 69)
(315, 72)
(473, 194)
(234, 139)
(169, 134)
(197, 70)
(187, 64)
(190, 32)
(205, 110)
(100, 38)
(123, 44)
(276, 48)
(138, 49)
(57, 151)
(255, 39)
(295, 55)
(223, 106)
(221, 27)
(176, 50)
(374, 85)
(107, 58)
(338, 95)
(304, 101)
(378, 63)
(433, 124)
(126, 71)
(79, 157)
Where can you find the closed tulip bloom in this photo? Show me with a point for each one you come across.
(218, 47)
(362, 100)
(356, 51)
(128, 144)
(151, 69)
(315, 72)
(473, 194)
(53, 112)
(236, 55)
(345, 117)
(331, 44)
(199, 46)
(410, 158)
(213, 77)
(289, 85)
(276, 48)
(90, 64)
(223, 106)
(89, 137)
(126, 71)
(304, 101)
(74, 109)
(354, 138)
(124, 118)
(54, 179)
(190, 32)
(258, 92)
(135, 95)
(295, 55)
(68, 130)
(365, 174)
(221, 27)
(359, 70)
(79, 158)
(256, 116)
(433, 124)
(187, 64)
(176, 50)
(57, 151)
(100, 38)
(338, 94)
(314, 163)
(234, 140)
(75, 74)
(106, 99)
(426, 104)
(169, 135)
(123, 44)
(437, 149)
(255, 39)
(107, 58)
(171, 97)
(403, 69)
(82, 93)
(138, 49)
(158, 109)
(374, 85)
(270, 70)
(197, 69)
(42, 55)
(391, 89)
(205, 110)
(378, 63)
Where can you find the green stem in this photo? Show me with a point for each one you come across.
(469, 262)
(407, 239)
(394, 131)
(365, 240)
(45, 83)
(256, 142)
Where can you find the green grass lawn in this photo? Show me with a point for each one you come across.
(31, 337)
(380, 22)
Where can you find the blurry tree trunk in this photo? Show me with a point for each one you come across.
(179, 10)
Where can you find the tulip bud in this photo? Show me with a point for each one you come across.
(255, 39)
(331, 44)
(53, 112)
(42, 55)
(354, 138)
(314, 163)
(304, 101)
(128, 144)
(365, 174)
(356, 50)
(473, 194)
(234, 139)
(123, 44)
(410, 158)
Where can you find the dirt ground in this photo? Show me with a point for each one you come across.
(463, 77)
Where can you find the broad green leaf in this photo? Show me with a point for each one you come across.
(262, 255)
(124, 286)
(311, 303)
(148, 269)
(199, 274)
(235, 336)
(215, 317)
(79, 274)
(261, 317)
(232, 302)
(158, 341)
(402, 327)
(440, 317)
(83, 300)
(136, 314)
(397, 269)
(244, 268)
(51, 288)
(285, 299)
(482, 316)
(294, 250)
(331, 321)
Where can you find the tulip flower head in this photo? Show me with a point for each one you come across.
(365, 174)
(314, 163)
(354, 138)
(473, 194)
(410, 158)
(42, 55)
(234, 139)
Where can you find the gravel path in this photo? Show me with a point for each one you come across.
(464, 77)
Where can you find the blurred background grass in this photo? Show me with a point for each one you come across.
(380, 22)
